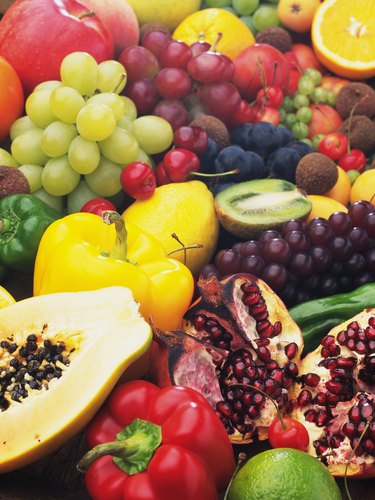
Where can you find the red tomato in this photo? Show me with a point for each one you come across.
(11, 97)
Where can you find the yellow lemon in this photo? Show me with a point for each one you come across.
(364, 187)
(185, 209)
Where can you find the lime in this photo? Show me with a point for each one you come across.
(283, 474)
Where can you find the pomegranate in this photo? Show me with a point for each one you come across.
(334, 397)
(237, 333)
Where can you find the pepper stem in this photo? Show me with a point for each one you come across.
(120, 248)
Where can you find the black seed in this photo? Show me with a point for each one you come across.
(32, 337)
(23, 351)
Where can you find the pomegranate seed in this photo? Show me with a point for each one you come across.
(351, 334)
(262, 342)
(263, 354)
(277, 327)
(304, 398)
(349, 429)
(370, 333)
(335, 387)
(310, 415)
(341, 337)
(336, 440)
(250, 287)
(366, 411)
(355, 415)
(292, 368)
(356, 444)
(312, 379)
(321, 418)
(238, 406)
(216, 332)
(353, 325)
(258, 399)
(371, 430)
(320, 449)
(277, 376)
(239, 370)
(251, 299)
(258, 385)
(272, 365)
(199, 322)
(251, 372)
(361, 347)
(327, 339)
(371, 321)
(264, 328)
(253, 411)
(371, 346)
(211, 323)
(320, 398)
(224, 408)
(328, 363)
(350, 344)
(259, 312)
(361, 335)
(346, 362)
(291, 350)
(361, 427)
(269, 386)
(332, 399)
(369, 446)
(261, 372)
(324, 352)
(339, 372)
(247, 398)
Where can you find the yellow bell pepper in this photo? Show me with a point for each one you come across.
(82, 252)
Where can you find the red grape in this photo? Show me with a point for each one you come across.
(176, 54)
(144, 95)
(139, 62)
(155, 41)
(173, 111)
(173, 83)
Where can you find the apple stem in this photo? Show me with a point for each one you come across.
(89, 13)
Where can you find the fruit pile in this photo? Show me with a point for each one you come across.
(198, 177)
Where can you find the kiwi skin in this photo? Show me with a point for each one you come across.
(293, 204)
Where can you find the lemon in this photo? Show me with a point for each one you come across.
(283, 474)
(364, 187)
(6, 299)
(185, 209)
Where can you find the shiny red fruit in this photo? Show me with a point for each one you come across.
(192, 138)
(97, 206)
(138, 180)
(353, 160)
(294, 435)
(179, 163)
(270, 96)
(334, 145)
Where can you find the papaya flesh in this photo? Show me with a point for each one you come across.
(90, 337)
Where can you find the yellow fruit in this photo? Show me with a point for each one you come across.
(343, 37)
(6, 299)
(364, 187)
(297, 15)
(341, 190)
(185, 209)
(322, 206)
(169, 12)
(206, 24)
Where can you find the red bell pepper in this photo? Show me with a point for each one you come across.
(156, 444)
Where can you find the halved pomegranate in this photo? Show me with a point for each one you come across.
(335, 400)
(237, 333)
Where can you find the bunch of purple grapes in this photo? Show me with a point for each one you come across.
(303, 261)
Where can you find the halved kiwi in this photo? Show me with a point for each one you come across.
(248, 208)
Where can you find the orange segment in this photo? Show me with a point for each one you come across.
(206, 24)
(343, 37)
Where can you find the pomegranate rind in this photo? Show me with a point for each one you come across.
(336, 459)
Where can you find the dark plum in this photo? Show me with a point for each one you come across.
(282, 164)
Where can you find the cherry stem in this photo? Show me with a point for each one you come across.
(184, 248)
(240, 460)
(214, 45)
(221, 174)
(267, 396)
(368, 422)
(89, 13)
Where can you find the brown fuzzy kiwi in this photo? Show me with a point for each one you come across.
(355, 98)
(12, 181)
(278, 37)
(215, 128)
(316, 173)
(360, 130)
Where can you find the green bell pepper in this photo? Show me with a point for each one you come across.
(23, 220)
(318, 316)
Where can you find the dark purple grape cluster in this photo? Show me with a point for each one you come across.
(303, 261)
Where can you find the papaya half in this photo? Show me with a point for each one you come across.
(60, 356)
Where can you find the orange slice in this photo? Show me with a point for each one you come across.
(206, 24)
(343, 37)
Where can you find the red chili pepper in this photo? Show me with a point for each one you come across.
(165, 444)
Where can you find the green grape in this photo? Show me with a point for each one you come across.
(111, 76)
(304, 114)
(77, 198)
(126, 123)
(26, 148)
(48, 85)
(282, 114)
(288, 104)
(153, 133)
(316, 139)
(331, 98)
(112, 100)
(33, 174)
(21, 125)
(7, 159)
(319, 94)
(65, 103)
(314, 74)
(307, 141)
(130, 108)
(218, 3)
(57, 137)
(305, 85)
(105, 180)
(80, 71)
(58, 177)
(38, 108)
(300, 130)
(290, 120)
(245, 7)
(230, 9)
(56, 202)
(300, 100)
(266, 17)
(145, 158)
(96, 122)
(248, 20)
(84, 156)
(120, 147)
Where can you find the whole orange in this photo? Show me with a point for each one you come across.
(297, 15)
(207, 24)
(341, 190)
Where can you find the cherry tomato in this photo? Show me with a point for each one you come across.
(11, 97)
(354, 160)
(97, 205)
(294, 435)
(334, 145)
(138, 180)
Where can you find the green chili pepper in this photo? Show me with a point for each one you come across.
(23, 220)
(318, 316)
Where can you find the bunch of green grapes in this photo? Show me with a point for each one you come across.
(79, 132)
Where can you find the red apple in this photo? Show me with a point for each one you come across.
(325, 119)
(334, 145)
(333, 83)
(306, 57)
(257, 66)
(35, 36)
(119, 18)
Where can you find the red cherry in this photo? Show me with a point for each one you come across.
(180, 163)
(161, 175)
(97, 206)
(244, 113)
(192, 138)
(288, 433)
(354, 160)
(334, 145)
(138, 180)
(270, 95)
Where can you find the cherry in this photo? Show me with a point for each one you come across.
(138, 180)
(244, 113)
(288, 433)
(199, 47)
(334, 145)
(267, 114)
(354, 160)
(179, 163)
(97, 206)
(161, 175)
(270, 95)
(192, 138)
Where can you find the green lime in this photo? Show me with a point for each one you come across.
(283, 474)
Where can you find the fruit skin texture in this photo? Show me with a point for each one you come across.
(341, 190)
(111, 334)
(322, 206)
(119, 18)
(11, 97)
(297, 15)
(36, 51)
(209, 22)
(283, 473)
(174, 208)
(169, 12)
(325, 119)
(364, 187)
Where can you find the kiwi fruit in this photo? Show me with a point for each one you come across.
(316, 173)
(248, 208)
(356, 98)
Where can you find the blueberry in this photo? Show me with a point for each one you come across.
(249, 164)
(264, 138)
(282, 164)
(286, 136)
(301, 147)
(207, 158)
(240, 135)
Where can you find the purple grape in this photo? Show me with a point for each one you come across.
(369, 224)
(288, 294)
(356, 264)
(321, 257)
(210, 270)
(297, 241)
(345, 283)
(363, 279)
(301, 265)
(329, 285)
(228, 262)
(277, 250)
(312, 283)
(268, 235)
(275, 275)
(358, 211)
(370, 260)
(251, 247)
(340, 222)
(292, 225)
(320, 233)
(253, 264)
(359, 239)
(341, 248)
